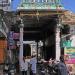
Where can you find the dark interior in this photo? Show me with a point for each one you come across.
(26, 50)
(41, 29)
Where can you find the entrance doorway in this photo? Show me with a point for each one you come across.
(45, 32)
(26, 50)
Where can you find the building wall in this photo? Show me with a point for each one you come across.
(5, 4)
(72, 31)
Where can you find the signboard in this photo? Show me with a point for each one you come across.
(69, 54)
(16, 35)
(39, 5)
(10, 38)
(11, 42)
(66, 43)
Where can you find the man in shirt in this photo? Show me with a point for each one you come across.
(33, 63)
(24, 66)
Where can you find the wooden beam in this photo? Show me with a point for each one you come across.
(46, 13)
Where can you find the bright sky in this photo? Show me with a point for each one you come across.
(15, 3)
(68, 4)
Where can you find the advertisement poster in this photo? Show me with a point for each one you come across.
(11, 42)
(69, 56)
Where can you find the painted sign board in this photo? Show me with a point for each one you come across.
(66, 43)
(16, 35)
(10, 38)
(69, 53)
(51, 4)
(11, 42)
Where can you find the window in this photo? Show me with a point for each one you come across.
(65, 30)
(48, 1)
(25, 1)
(32, 1)
(53, 1)
(36, 0)
(40, 1)
(26, 50)
(44, 0)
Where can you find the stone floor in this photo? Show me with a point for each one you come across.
(1, 72)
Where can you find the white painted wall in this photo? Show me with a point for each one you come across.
(5, 5)
(73, 40)
(58, 52)
(72, 31)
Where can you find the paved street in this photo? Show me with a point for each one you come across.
(1, 72)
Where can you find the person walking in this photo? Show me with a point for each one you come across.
(33, 63)
(24, 66)
(62, 69)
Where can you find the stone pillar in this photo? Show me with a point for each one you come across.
(37, 51)
(72, 32)
(57, 34)
(21, 43)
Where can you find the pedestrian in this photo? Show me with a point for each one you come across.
(33, 63)
(62, 69)
(24, 66)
